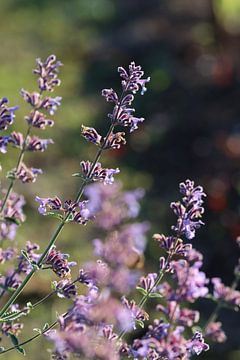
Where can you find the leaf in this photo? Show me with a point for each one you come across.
(77, 175)
(54, 215)
(12, 220)
(2, 349)
(11, 316)
(155, 295)
(39, 331)
(140, 323)
(141, 290)
(30, 305)
(45, 327)
(21, 350)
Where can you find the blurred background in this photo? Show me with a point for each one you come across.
(191, 50)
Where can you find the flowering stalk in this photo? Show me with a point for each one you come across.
(121, 116)
(222, 302)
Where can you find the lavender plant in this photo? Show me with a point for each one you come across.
(102, 309)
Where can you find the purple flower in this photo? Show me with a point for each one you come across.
(225, 293)
(51, 104)
(132, 81)
(4, 141)
(48, 73)
(123, 116)
(38, 120)
(6, 114)
(59, 262)
(48, 204)
(147, 282)
(136, 312)
(34, 99)
(17, 139)
(83, 215)
(190, 212)
(110, 95)
(197, 345)
(65, 288)
(215, 333)
(114, 141)
(91, 135)
(27, 175)
(98, 173)
(34, 143)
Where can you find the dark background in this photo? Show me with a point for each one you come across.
(191, 51)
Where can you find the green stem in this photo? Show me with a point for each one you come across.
(19, 161)
(33, 337)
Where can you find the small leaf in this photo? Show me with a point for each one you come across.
(140, 323)
(141, 290)
(12, 220)
(21, 350)
(45, 327)
(155, 295)
(54, 215)
(30, 305)
(14, 339)
(39, 331)
(25, 255)
(77, 175)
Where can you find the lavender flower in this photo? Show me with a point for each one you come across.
(190, 211)
(114, 141)
(26, 174)
(48, 73)
(38, 120)
(98, 173)
(197, 345)
(16, 139)
(48, 204)
(12, 211)
(91, 135)
(137, 314)
(59, 263)
(4, 141)
(7, 114)
(65, 289)
(225, 293)
(215, 333)
(34, 143)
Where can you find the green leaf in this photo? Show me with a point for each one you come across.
(12, 220)
(54, 215)
(21, 350)
(12, 316)
(14, 339)
(77, 175)
(30, 305)
(155, 295)
(141, 290)
(140, 323)
(45, 327)
(39, 331)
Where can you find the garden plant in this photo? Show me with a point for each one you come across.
(108, 317)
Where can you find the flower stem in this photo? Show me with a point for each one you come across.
(63, 222)
(33, 337)
(19, 162)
